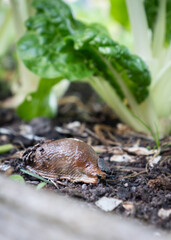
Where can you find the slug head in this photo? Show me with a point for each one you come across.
(87, 163)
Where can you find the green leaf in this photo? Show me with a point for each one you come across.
(113, 61)
(17, 178)
(151, 8)
(56, 44)
(6, 148)
(35, 175)
(43, 48)
(43, 102)
(41, 185)
(118, 11)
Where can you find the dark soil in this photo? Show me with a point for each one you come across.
(142, 184)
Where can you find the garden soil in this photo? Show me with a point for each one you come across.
(138, 172)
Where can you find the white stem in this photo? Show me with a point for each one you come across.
(168, 54)
(20, 14)
(6, 32)
(161, 95)
(160, 75)
(159, 29)
(139, 28)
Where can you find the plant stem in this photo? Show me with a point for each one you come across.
(5, 22)
(159, 29)
(6, 30)
(144, 111)
(139, 28)
(103, 88)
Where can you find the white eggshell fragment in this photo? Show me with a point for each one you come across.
(108, 204)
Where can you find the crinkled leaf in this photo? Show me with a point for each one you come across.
(57, 45)
(44, 50)
(40, 103)
(52, 58)
(113, 61)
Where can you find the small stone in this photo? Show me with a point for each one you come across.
(84, 186)
(108, 204)
(133, 189)
(164, 213)
(168, 196)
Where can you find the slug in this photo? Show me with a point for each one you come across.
(67, 158)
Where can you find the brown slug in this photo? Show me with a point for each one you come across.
(67, 158)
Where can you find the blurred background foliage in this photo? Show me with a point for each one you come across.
(15, 79)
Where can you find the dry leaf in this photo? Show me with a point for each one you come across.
(121, 158)
(140, 151)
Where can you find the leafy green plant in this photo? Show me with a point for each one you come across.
(57, 45)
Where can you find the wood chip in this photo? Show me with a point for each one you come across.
(129, 206)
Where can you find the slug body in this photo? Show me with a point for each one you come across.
(70, 159)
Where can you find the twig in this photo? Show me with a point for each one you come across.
(133, 175)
